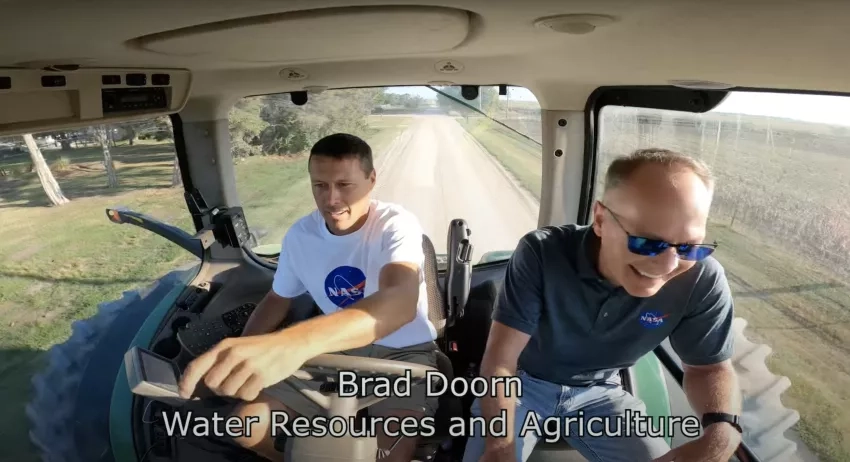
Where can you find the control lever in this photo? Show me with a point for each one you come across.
(463, 278)
(123, 215)
(459, 271)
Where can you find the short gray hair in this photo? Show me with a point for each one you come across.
(622, 168)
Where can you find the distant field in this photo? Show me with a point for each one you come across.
(788, 182)
(782, 218)
(58, 263)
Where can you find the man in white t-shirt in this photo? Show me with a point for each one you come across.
(362, 262)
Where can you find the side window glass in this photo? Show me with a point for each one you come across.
(61, 258)
(781, 215)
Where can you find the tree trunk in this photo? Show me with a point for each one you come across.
(176, 179)
(111, 177)
(51, 187)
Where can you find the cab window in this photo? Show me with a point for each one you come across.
(781, 216)
(60, 257)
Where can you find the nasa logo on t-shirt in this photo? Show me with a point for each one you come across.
(652, 319)
(345, 285)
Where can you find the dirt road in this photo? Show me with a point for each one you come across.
(439, 172)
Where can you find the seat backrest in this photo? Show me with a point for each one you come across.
(437, 312)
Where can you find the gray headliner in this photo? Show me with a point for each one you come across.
(779, 44)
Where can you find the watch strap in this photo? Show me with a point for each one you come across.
(716, 417)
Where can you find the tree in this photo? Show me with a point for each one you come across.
(45, 176)
(103, 136)
(292, 129)
(284, 132)
(245, 126)
(447, 104)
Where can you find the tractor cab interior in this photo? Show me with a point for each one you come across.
(460, 306)
(488, 119)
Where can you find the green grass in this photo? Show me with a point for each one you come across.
(518, 155)
(58, 263)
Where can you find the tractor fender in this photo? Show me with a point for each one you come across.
(648, 384)
(764, 418)
(69, 412)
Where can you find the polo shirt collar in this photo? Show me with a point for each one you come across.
(587, 257)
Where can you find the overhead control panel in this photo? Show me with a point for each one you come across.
(133, 99)
(38, 100)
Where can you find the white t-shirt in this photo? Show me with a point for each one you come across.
(338, 271)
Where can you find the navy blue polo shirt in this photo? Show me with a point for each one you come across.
(584, 329)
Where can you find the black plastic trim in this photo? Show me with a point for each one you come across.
(183, 162)
(52, 81)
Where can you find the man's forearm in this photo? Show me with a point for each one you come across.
(360, 324)
(713, 389)
(503, 401)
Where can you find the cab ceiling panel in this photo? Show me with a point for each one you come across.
(318, 35)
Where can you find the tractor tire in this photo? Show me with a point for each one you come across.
(764, 418)
(70, 405)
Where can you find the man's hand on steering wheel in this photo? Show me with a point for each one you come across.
(241, 367)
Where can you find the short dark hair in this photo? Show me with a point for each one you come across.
(622, 168)
(344, 146)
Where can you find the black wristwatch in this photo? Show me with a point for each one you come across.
(714, 417)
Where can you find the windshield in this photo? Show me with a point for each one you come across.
(437, 154)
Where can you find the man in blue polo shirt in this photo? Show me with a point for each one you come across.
(579, 303)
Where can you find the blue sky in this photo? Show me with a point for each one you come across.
(811, 108)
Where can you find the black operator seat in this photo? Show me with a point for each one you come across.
(449, 405)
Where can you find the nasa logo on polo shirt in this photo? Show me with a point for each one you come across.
(345, 285)
(652, 319)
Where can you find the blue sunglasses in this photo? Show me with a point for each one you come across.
(651, 247)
